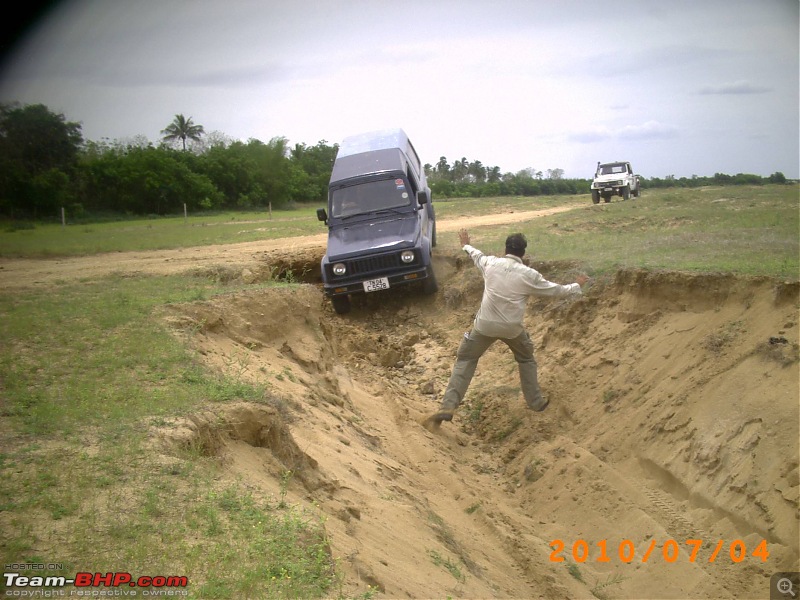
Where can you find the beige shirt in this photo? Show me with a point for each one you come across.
(507, 285)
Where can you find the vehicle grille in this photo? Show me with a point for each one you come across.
(372, 264)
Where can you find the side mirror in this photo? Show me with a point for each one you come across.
(322, 215)
(422, 197)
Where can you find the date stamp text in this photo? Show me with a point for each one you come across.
(670, 551)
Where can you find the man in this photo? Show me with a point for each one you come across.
(507, 285)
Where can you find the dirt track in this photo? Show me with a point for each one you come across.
(674, 416)
(16, 273)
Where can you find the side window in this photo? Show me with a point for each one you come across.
(412, 154)
(412, 181)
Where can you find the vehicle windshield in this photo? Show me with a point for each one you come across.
(369, 197)
(612, 169)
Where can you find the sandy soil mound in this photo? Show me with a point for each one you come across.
(674, 416)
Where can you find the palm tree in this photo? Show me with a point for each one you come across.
(182, 128)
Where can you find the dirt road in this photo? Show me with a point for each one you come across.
(673, 418)
(27, 272)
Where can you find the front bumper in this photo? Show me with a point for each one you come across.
(356, 286)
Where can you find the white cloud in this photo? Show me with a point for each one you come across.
(651, 130)
(736, 87)
(513, 83)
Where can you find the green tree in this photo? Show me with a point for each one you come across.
(477, 171)
(316, 162)
(460, 170)
(777, 177)
(147, 181)
(254, 174)
(182, 129)
(38, 154)
(443, 169)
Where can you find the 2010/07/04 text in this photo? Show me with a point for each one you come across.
(669, 551)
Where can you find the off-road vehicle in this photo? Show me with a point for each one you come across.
(614, 179)
(380, 218)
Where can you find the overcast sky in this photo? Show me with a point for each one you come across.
(678, 88)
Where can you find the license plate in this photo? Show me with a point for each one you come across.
(373, 285)
(608, 189)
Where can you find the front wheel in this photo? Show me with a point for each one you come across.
(430, 286)
(595, 196)
(341, 304)
(626, 192)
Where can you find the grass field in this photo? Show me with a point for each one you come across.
(741, 229)
(50, 239)
(745, 230)
(84, 367)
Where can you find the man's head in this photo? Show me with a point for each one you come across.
(516, 244)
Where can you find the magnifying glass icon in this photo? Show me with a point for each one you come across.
(785, 586)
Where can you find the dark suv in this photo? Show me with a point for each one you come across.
(381, 222)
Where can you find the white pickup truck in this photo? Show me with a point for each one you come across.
(614, 179)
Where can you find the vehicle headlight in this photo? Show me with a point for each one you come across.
(339, 269)
(407, 256)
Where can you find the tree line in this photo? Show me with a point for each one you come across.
(45, 164)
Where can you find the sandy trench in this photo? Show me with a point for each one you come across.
(674, 416)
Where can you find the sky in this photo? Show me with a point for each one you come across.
(685, 87)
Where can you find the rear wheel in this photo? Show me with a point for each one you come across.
(341, 304)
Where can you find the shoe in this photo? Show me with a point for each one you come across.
(444, 414)
(545, 405)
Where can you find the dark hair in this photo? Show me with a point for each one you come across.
(516, 244)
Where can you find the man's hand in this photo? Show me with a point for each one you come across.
(581, 280)
(463, 237)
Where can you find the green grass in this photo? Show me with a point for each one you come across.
(84, 368)
(115, 505)
(465, 207)
(740, 229)
(90, 354)
(49, 240)
(745, 230)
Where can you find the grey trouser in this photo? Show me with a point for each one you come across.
(472, 348)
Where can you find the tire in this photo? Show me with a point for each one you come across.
(595, 196)
(341, 304)
(626, 192)
(430, 286)
(637, 192)
(607, 199)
